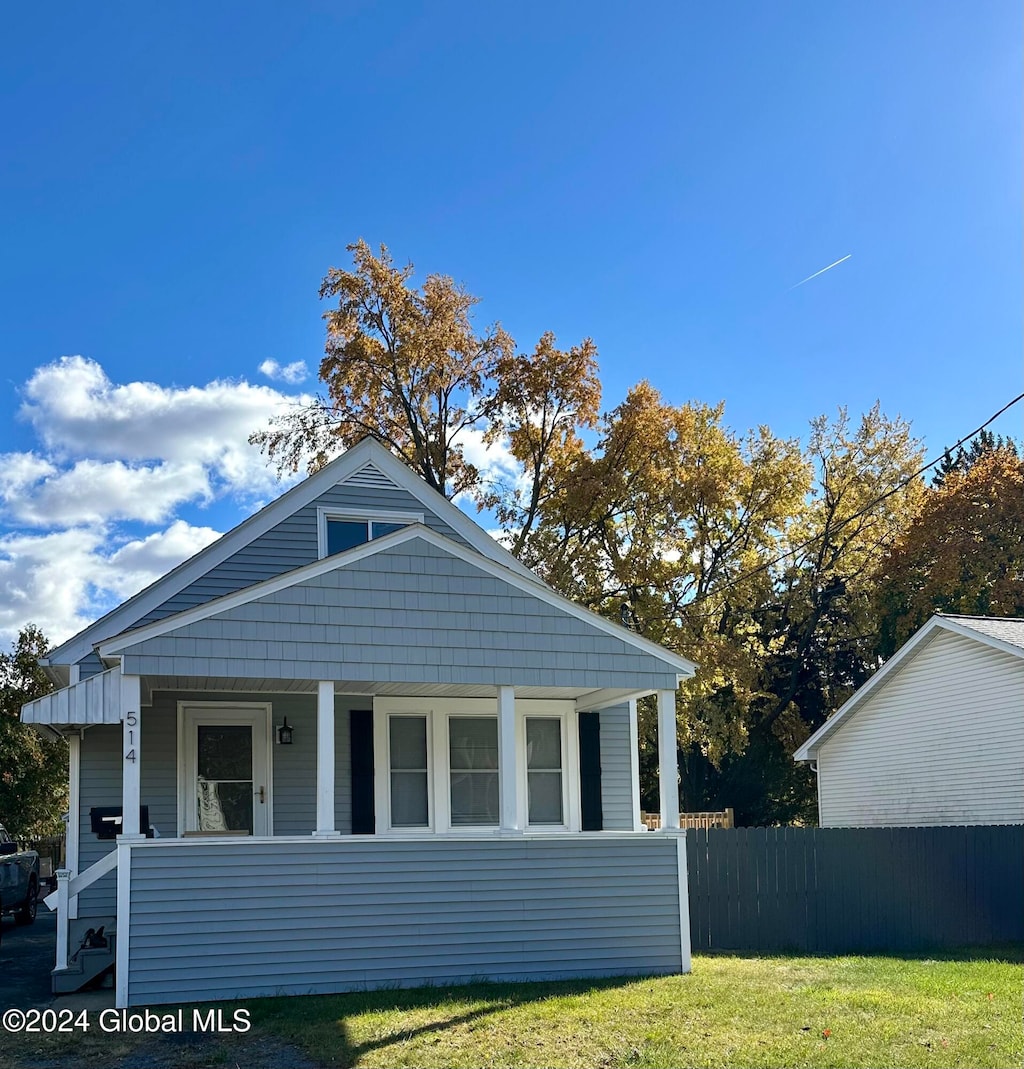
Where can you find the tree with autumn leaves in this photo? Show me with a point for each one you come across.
(758, 557)
(963, 552)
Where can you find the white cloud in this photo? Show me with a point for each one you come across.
(291, 373)
(492, 459)
(109, 454)
(65, 579)
(94, 492)
(138, 563)
(78, 412)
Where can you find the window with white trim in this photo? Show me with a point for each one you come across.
(544, 784)
(473, 771)
(439, 765)
(409, 772)
(338, 531)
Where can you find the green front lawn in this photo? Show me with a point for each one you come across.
(850, 1011)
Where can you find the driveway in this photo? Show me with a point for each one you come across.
(26, 958)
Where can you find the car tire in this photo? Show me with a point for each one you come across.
(27, 913)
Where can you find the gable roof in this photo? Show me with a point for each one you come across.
(1003, 634)
(367, 463)
(113, 646)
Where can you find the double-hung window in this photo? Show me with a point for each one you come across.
(409, 772)
(474, 800)
(545, 803)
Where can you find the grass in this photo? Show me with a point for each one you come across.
(731, 1011)
(750, 1012)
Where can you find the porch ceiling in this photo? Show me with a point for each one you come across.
(585, 696)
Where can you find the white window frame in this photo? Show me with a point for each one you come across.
(571, 819)
(353, 515)
(438, 713)
(382, 781)
(465, 714)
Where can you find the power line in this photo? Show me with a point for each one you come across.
(860, 512)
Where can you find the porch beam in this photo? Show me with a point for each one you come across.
(668, 761)
(508, 781)
(325, 823)
(131, 757)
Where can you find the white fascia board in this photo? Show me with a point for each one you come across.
(809, 750)
(337, 471)
(124, 641)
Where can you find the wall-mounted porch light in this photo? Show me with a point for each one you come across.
(284, 734)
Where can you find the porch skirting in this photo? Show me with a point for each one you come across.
(263, 917)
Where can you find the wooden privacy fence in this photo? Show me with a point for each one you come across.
(845, 890)
(719, 819)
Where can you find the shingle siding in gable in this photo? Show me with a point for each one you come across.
(291, 544)
(410, 614)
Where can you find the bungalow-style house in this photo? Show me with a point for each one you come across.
(356, 743)
(935, 737)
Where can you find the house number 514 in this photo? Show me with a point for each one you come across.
(131, 721)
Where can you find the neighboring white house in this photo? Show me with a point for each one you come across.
(935, 737)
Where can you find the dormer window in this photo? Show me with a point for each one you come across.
(342, 530)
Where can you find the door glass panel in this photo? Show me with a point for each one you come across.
(224, 784)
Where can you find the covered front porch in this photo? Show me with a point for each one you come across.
(370, 794)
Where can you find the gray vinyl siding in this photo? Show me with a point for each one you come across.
(616, 781)
(90, 665)
(363, 913)
(290, 544)
(99, 784)
(411, 614)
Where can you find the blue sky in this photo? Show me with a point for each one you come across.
(176, 179)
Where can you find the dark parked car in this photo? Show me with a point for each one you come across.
(19, 880)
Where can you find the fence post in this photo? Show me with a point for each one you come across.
(63, 879)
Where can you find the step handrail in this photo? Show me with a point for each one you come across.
(85, 879)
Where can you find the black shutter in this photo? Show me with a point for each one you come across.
(590, 772)
(361, 740)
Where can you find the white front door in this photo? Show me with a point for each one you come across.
(225, 777)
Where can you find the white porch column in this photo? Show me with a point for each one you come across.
(325, 825)
(668, 760)
(61, 960)
(131, 756)
(72, 835)
(508, 781)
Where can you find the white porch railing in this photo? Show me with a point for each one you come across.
(69, 888)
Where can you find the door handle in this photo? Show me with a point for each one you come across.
(262, 795)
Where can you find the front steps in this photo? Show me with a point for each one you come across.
(90, 963)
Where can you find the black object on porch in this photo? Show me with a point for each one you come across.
(854, 890)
